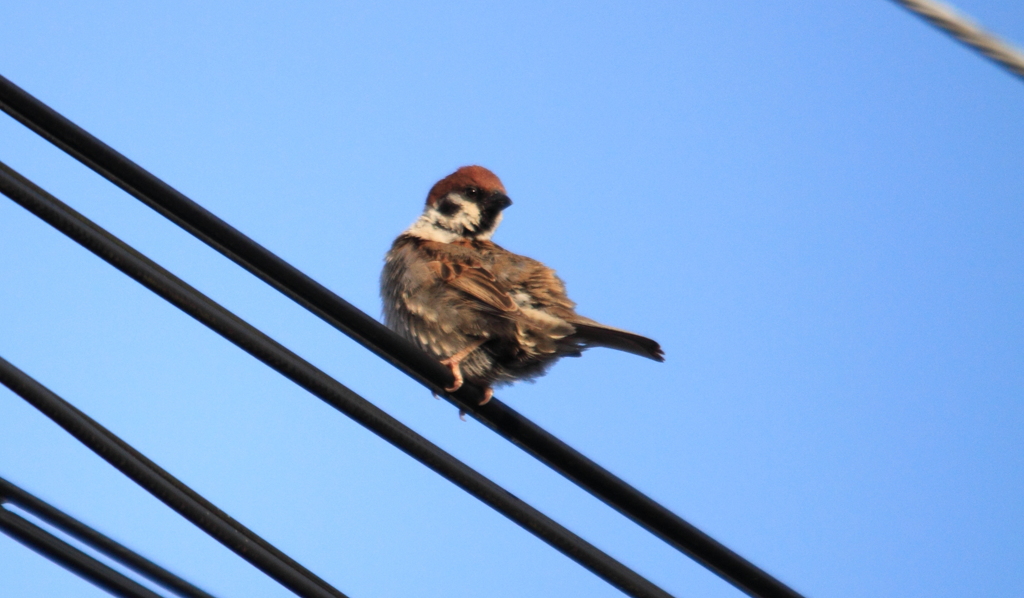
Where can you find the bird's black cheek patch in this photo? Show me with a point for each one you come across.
(447, 207)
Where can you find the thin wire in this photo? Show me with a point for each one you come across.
(394, 349)
(61, 520)
(303, 373)
(945, 17)
(71, 558)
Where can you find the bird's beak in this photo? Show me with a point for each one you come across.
(498, 200)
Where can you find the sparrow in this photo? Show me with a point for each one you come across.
(491, 316)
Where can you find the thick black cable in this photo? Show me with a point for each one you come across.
(402, 354)
(71, 526)
(259, 345)
(166, 487)
(71, 558)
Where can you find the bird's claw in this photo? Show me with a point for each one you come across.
(488, 395)
(453, 365)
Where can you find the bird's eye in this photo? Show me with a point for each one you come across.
(472, 193)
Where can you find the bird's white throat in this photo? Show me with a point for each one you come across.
(429, 226)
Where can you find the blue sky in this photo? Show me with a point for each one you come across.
(816, 208)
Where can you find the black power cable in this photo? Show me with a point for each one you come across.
(71, 558)
(166, 487)
(259, 345)
(347, 318)
(15, 496)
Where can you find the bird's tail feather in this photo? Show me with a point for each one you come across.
(599, 335)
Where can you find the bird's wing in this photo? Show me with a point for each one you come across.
(476, 281)
(543, 288)
(547, 294)
(547, 290)
(544, 313)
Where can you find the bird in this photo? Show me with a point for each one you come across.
(491, 316)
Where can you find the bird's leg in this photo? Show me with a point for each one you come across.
(454, 361)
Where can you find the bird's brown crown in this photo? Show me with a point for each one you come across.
(467, 176)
